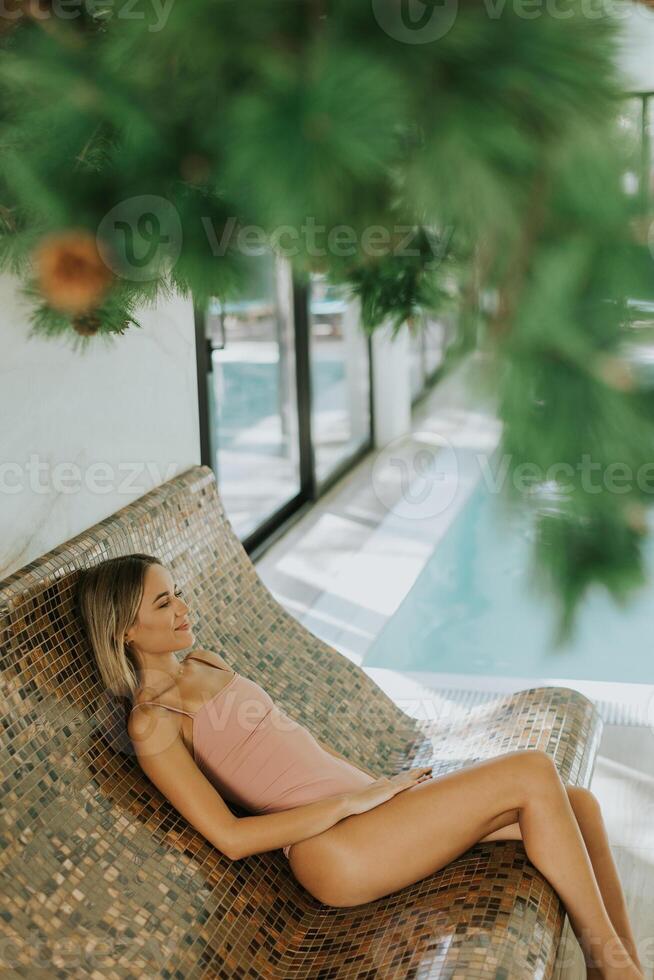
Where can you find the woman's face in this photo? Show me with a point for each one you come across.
(161, 614)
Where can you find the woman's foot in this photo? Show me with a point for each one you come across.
(628, 972)
(633, 955)
(622, 963)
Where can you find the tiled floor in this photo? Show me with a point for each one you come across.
(344, 568)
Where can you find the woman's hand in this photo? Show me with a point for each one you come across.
(384, 788)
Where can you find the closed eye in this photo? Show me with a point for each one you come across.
(164, 604)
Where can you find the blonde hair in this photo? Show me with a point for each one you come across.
(108, 598)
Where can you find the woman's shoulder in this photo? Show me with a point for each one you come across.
(208, 655)
(139, 723)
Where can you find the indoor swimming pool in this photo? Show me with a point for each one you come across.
(470, 611)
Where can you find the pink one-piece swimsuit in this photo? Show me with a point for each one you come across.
(260, 758)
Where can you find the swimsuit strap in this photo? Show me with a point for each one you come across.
(203, 661)
(169, 706)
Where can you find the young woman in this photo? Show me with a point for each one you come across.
(203, 732)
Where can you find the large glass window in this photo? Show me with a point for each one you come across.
(636, 121)
(649, 148)
(252, 395)
(340, 373)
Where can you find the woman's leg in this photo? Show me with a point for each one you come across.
(588, 812)
(423, 828)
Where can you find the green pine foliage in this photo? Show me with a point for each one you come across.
(171, 132)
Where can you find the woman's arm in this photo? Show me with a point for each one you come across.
(168, 764)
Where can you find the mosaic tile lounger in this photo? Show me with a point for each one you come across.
(101, 877)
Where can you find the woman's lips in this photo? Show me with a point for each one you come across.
(184, 626)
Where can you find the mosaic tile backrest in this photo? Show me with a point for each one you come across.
(102, 878)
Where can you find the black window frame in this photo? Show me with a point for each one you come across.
(311, 489)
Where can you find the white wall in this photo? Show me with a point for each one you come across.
(129, 405)
(637, 48)
(391, 377)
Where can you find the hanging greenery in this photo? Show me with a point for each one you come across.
(474, 159)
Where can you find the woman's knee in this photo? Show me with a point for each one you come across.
(536, 765)
(582, 799)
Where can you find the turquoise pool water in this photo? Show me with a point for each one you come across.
(470, 612)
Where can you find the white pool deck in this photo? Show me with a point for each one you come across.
(345, 566)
